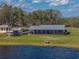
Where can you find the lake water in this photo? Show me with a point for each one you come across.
(34, 52)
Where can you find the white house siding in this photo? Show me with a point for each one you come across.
(4, 28)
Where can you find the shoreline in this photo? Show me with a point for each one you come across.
(40, 45)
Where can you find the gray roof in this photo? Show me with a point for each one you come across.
(48, 27)
(3, 26)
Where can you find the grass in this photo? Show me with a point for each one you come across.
(71, 40)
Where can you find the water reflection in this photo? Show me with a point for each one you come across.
(33, 52)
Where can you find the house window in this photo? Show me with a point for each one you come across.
(6, 29)
(1, 29)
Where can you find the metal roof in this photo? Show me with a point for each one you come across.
(3, 26)
(48, 27)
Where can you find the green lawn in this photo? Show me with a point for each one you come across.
(72, 39)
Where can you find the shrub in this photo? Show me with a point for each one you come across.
(67, 33)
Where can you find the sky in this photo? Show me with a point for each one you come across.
(69, 8)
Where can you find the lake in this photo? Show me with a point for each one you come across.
(34, 52)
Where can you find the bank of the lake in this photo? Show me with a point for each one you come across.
(40, 45)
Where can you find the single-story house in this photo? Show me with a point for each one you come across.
(5, 28)
(47, 29)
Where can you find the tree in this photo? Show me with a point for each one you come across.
(5, 14)
(45, 17)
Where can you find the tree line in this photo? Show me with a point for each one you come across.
(15, 16)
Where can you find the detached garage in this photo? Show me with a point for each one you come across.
(47, 29)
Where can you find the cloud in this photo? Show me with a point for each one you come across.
(72, 10)
(36, 1)
(17, 3)
(53, 2)
(21, 3)
(59, 2)
(73, 7)
(7, 1)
